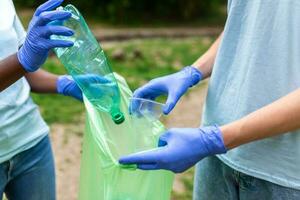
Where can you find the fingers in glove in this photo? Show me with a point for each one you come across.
(49, 16)
(172, 100)
(164, 139)
(47, 6)
(149, 157)
(140, 92)
(92, 78)
(148, 166)
(47, 31)
(134, 107)
(58, 43)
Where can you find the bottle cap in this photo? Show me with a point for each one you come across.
(118, 117)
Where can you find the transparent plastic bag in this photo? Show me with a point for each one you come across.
(102, 177)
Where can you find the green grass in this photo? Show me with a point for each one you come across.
(158, 57)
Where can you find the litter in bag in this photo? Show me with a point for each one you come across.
(101, 176)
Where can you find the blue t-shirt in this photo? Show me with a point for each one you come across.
(258, 62)
(21, 125)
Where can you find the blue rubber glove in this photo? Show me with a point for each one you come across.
(179, 149)
(174, 85)
(35, 49)
(67, 86)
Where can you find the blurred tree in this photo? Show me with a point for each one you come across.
(124, 11)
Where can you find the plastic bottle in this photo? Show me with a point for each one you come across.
(87, 59)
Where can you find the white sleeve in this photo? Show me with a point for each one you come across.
(21, 33)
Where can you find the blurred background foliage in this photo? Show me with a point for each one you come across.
(140, 12)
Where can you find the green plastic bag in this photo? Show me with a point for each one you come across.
(101, 176)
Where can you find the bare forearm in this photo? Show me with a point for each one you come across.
(10, 71)
(42, 81)
(277, 118)
(206, 61)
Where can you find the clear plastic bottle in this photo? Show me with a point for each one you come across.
(89, 67)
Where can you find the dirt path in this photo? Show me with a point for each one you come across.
(66, 142)
(187, 112)
(117, 34)
(67, 151)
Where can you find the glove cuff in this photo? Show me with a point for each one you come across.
(23, 62)
(62, 83)
(213, 139)
(195, 76)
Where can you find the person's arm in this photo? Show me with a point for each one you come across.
(279, 117)
(10, 71)
(206, 62)
(42, 81)
(37, 44)
(184, 147)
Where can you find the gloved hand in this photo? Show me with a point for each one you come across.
(34, 51)
(179, 149)
(67, 86)
(174, 85)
